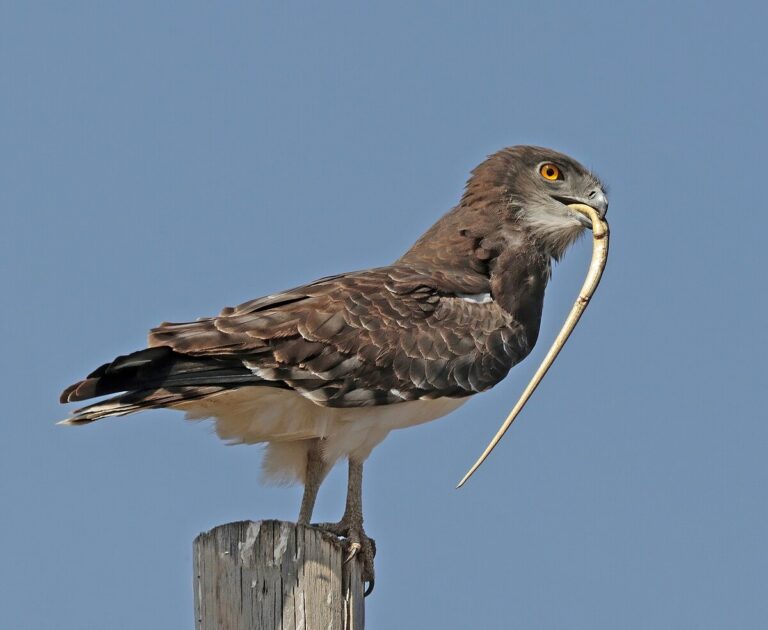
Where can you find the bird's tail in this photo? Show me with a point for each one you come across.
(152, 378)
(132, 402)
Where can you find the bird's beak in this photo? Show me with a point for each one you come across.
(596, 200)
(595, 217)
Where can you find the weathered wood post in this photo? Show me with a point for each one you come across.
(273, 575)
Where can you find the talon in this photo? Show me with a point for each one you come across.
(357, 545)
(354, 548)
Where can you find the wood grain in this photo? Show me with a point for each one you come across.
(274, 575)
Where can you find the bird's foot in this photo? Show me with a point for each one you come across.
(355, 543)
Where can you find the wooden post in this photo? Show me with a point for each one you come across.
(272, 575)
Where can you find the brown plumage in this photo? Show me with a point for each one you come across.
(373, 337)
(445, 321)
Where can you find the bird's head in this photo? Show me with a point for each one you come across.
(541, 200)
(533, 187)
(518, 197)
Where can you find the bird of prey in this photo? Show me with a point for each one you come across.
(325, 371)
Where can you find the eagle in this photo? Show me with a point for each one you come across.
(325, 371)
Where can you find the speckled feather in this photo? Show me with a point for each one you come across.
(445, 321)
(373, 337)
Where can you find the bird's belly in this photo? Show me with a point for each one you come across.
(286, 420)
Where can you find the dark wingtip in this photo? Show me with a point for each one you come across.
(64, 398)
(81, 390)
(117, 375)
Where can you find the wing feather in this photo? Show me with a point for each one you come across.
(373, 337)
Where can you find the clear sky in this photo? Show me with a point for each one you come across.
(161, 160)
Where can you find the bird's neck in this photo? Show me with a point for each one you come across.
(519, 277)
(491, 247)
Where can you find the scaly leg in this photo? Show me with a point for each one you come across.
(317, 469)
(351, 524)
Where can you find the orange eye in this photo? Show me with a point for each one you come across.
(550, 171)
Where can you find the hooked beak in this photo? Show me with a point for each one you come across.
(593, 218)
(596, 199)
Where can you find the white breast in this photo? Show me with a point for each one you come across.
(285, 421)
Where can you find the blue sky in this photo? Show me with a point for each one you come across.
(160, 160)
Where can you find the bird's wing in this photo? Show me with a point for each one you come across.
(373, 337)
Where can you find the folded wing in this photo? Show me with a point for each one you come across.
(379, 336)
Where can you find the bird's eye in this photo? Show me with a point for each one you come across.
(550, 171)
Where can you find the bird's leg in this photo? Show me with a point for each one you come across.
(351, 524)
(317, 469)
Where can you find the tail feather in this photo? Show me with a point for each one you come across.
(151, 378)
(133, 402)
(157, 367)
